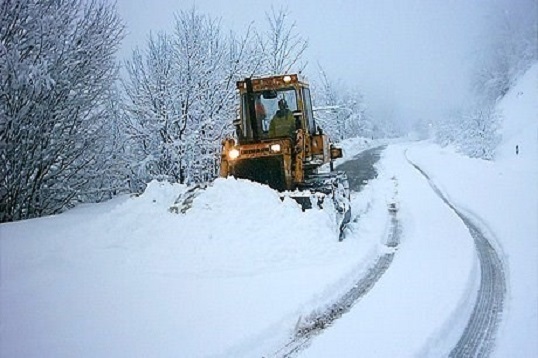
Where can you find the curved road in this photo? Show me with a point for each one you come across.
(359, 169)
(479, 336)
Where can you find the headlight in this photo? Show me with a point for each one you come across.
(233, 154)
(275, 148)
(287, 78)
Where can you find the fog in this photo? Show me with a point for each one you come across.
(411, 59)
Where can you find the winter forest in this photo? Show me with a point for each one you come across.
(78, 124)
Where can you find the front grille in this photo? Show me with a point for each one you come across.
(264, 170)
(263, 150)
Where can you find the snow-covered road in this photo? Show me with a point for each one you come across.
(423, 301)
(479, 335)
(360, 171)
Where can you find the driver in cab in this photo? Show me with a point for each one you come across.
(283, 122)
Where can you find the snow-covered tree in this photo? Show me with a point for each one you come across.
(154, 120)
(200, 52)
(181, 98)
(479, 133)
(473, 131)
(341, 112)
(447, 130)
(56, 66)
(111, 173)
(509, 49)
(281, 45)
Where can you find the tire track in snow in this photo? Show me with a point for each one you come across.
(360, 169)
(478, 337)
(318, 321)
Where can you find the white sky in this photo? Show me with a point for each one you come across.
(410, 57)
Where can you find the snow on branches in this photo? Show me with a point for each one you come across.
(57, 66)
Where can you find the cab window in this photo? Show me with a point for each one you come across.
(309, 116)
(266, 106)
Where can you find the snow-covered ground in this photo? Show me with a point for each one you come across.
(411, 310)
(240, 270)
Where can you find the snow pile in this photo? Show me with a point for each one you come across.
(234, 227)
(129, 277)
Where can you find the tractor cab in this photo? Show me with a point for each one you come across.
(259, 106)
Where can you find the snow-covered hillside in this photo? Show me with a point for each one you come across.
(240, 271)
(503, 195)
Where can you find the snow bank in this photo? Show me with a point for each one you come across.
(236, 227)
(519, 108)
(231, 276)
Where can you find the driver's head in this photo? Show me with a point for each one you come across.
(282, 104)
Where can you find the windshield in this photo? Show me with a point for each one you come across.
(266, 106)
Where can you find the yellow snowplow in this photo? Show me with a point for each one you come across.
(278, 143)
